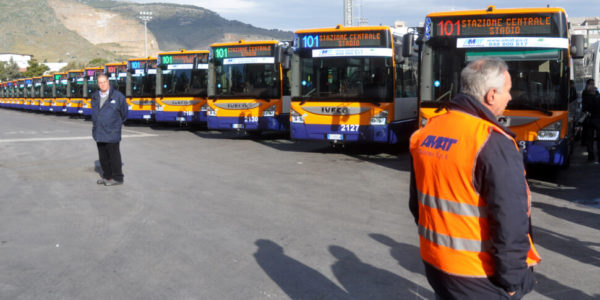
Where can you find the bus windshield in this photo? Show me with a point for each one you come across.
(118, 83)
(256, 81)
(365, 79)
(61, 89)
(538, 75)
(47, 89)
(185, 83)
(143, 85)
(37, 90)
(76, 88)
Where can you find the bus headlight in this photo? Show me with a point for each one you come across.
(296, 117)
(550, 132)
(269, 112)
(159, 107)
(423, 121)
(129, 107)
(380, 118)
(204, 107)
(211, 112)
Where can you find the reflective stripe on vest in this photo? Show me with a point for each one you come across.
(453, 221)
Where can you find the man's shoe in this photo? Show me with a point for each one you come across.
(101, 181)
(112, 182)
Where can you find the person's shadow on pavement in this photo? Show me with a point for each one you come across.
(364, 281)
(296, 279)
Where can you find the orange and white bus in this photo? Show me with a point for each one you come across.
(248, 86)
(181, 83)
(47, 92)
(36, 93)
(535, 44)
(353, 84)
(59, 103)
(3, 93)
(90, 85)
(74, 92)
(141, 88)
(117, 76)
(28, 94)
(14, 93)
(20, 99)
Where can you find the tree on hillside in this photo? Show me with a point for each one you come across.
(9, 70)
(35, 69)
(97, 62)
(73, 65)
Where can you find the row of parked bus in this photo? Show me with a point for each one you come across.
(343, 84)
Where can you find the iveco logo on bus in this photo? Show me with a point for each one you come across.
(248, 105)
(335, 110)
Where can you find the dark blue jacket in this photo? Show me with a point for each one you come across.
(499, 178)
(108, 119)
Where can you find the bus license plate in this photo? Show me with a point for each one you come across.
(146, 116)
(335, 137)
(237, 126)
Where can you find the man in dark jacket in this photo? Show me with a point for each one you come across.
(591, 105)
(469, 195)
(109, 112)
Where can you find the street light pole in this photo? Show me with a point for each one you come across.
(145, 16)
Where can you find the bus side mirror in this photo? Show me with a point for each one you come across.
(577, 48)
(195, 63)
(283, 55)
(407, 45)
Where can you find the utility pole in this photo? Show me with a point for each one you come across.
(348, 13)
(145, 16)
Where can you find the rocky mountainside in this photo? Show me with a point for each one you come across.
(80, 30)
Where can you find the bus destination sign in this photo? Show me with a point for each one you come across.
(243, 51)
(495, 25)
(342, 39)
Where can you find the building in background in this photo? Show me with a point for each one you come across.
(587, 26)
(20, 59)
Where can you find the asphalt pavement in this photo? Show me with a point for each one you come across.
(212, 215)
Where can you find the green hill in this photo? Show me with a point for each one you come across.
(190, 27)
(31, 27)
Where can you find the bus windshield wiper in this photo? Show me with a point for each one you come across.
(447, 93)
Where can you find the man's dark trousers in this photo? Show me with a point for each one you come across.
(110, 161)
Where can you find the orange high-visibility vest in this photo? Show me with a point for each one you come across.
(453, 222)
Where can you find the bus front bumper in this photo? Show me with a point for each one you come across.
(140, 115)
(181, 116)
(275, 123)
(391, 133)
(545, 152)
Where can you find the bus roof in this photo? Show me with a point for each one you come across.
(342, 28)
(242, 42)
(94, 68)
(143, 58)
(491, 10)
(124, 63)
(183, 51)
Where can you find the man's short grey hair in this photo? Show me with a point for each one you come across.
(101, 75)
(482, 75)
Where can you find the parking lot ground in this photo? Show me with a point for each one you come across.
(212, 215)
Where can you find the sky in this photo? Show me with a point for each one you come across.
(303, 14)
